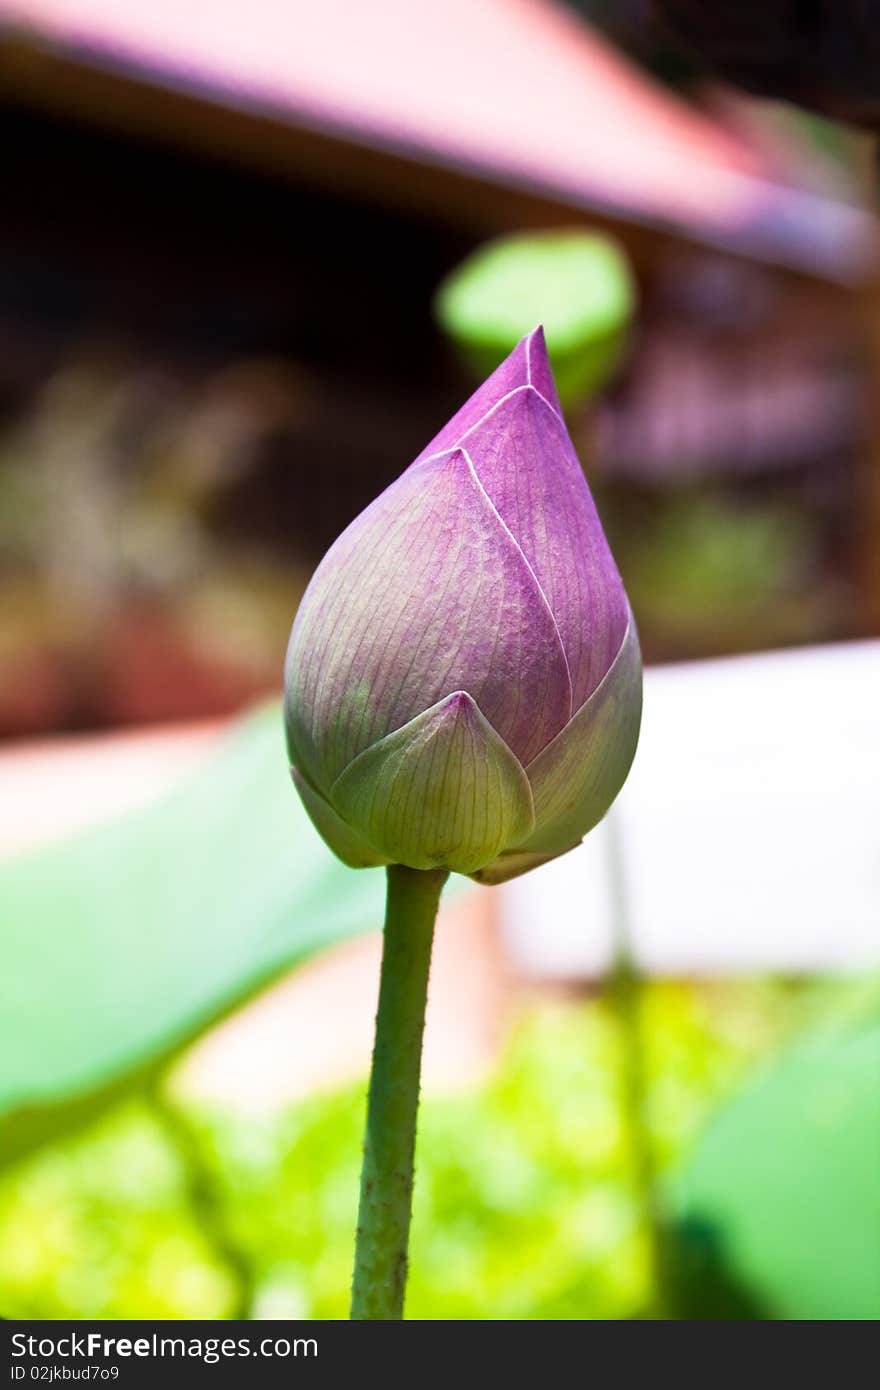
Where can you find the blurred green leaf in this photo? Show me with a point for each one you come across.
(577, 284)
(784, 1189)
(121, 945)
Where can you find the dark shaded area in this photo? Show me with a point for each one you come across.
(197, 263)
(699, 1282)
(821, 54)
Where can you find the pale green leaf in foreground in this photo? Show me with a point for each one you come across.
(121, 945)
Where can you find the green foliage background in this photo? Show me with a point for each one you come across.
(525, 1204)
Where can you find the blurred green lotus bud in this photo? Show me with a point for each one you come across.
(577, 284)
(463, 681)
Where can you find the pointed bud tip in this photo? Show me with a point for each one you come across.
(539, 372)
(531, 351)
(460, 704)
(460, 708)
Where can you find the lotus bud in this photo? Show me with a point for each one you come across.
(463, 679)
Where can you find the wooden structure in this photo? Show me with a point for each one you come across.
(487, 113)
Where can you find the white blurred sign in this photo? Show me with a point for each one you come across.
(747, 836)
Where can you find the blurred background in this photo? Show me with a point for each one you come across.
(242, 282)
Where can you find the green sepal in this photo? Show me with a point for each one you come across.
(443, 791)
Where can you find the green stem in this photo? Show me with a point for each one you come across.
(387, 1174)
(204, 1199)
(626, 991)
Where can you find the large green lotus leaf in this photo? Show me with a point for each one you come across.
(783, 1192)
(121, 945)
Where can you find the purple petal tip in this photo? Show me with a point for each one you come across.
(538, 369)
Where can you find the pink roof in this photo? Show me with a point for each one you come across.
(516, 90)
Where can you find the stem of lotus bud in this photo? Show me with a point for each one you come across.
(626, 995)
(380, 1263)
